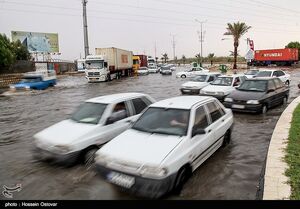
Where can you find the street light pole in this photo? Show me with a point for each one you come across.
(201, 39)
(173, 44)
(85, 30)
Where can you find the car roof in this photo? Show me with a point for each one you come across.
(270, 70)
(113, 98)
(232, 76)
(181, 102)
(261, 78)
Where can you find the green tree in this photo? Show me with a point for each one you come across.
(211, 57)
(183, 59)
(6, 55)
(20, 51)
(165, 57)
(294, 45)
(236, 30)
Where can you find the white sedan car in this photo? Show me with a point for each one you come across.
(223, 86)
(96, 122)
(143, 71)
(191, 72)
(170, 140)
(153, 69)
(283, 76)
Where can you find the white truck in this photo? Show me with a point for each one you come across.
(107, 64)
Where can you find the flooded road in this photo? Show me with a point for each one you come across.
(231, 173)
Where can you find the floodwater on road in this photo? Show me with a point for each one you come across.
(231, 173)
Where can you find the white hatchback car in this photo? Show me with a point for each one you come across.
(96, 122)
(197, 83)
(223, 86)
(283, 76)
(191, 72)
(170, 140)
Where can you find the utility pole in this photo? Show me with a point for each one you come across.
(85, 29)
(173, 44)
(201, 39)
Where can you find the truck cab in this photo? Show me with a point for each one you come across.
(96, 69)
(136, 64)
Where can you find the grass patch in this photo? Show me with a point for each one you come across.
(293, 155)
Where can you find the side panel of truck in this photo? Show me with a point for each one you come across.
(276, 55)
(144, 60)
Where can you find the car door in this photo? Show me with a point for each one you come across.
(282, 76)
(280, 90)
(200, 143)
(271, 100)
(116, 125)
(217, 126)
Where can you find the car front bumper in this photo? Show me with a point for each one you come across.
(189, 91)
(143, 187)
(65, 159)
(251, 108)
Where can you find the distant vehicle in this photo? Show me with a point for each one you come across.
(194, 71)
(143, 60)
(284, 77)
(165, 70)
(135, 63)
(279, 57)
(170, 140)
(94, 123)
(40, 79)
(151, 61)
(223, 86)
(107, 64)
(143, 71)
(153, 69)
(80, 63)
(251, 73)
(197, 83)
(258, 95)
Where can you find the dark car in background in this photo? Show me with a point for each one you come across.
(165, 70)
(257, 95)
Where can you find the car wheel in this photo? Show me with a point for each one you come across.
(264, 109)
(183, 76)
(89, 157)
(181, 178)
(284, 101)
(227, 138)
(287, 83)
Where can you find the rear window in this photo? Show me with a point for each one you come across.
(215, 111)
(139, 105)
(264, 74)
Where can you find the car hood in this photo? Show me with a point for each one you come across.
(215, 88)
(192, 83)
(64, 132)
(246, 95)
(140, 147)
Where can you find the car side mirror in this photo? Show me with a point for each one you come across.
(116, 116)
(271, 90)
(198, 131)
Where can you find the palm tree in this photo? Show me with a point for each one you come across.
(165, 57)
(198, 57)
(156, 59)
(183, 59)
(210, 57)
(236, 30)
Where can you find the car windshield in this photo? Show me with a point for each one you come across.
(253, 85)
(264, 74)
(152, 67)
(200, 78)
(222, 81)
(165, 68)
(30, 80)
(89, 113)
(251, 72)
(164, 121)
(91, 64)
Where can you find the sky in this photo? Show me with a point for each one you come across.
(142, 26)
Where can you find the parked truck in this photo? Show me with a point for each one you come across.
(136, 63)
(143, 60)
(108, 64)
(279, 57)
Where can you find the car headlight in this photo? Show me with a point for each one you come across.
(228, 99)
(27, 87)
(61, 149)
(252, 102)
(153, 172)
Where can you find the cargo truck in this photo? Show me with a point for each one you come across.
(143, 60)
(136, 63)
(279, 57)
(107, 64)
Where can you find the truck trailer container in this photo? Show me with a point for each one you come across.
(143, 60)
(107, 64)
(279, 57)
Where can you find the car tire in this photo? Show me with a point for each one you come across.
(181, 178)
(89, 157)
(287, 83)
(183, 76)
(284, 101)
(227, 138)
(264, 109)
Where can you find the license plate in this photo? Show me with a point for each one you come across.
(238, 106)
(121, 179)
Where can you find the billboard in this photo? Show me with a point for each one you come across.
(37, 42)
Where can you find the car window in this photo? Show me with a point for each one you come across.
(236, 81)
(280, 73)
(120, 111)
(278, 83)
(243, 78)
(271, 85)
(201, 121)
(139, 105)
(211, 78)
(214, 111)
(275, 74)
(89, 112)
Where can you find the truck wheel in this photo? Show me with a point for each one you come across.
(108, 77)
(183, 76)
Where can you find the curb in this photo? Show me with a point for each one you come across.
(276, 185)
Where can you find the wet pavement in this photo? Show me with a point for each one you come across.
(231, 173)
